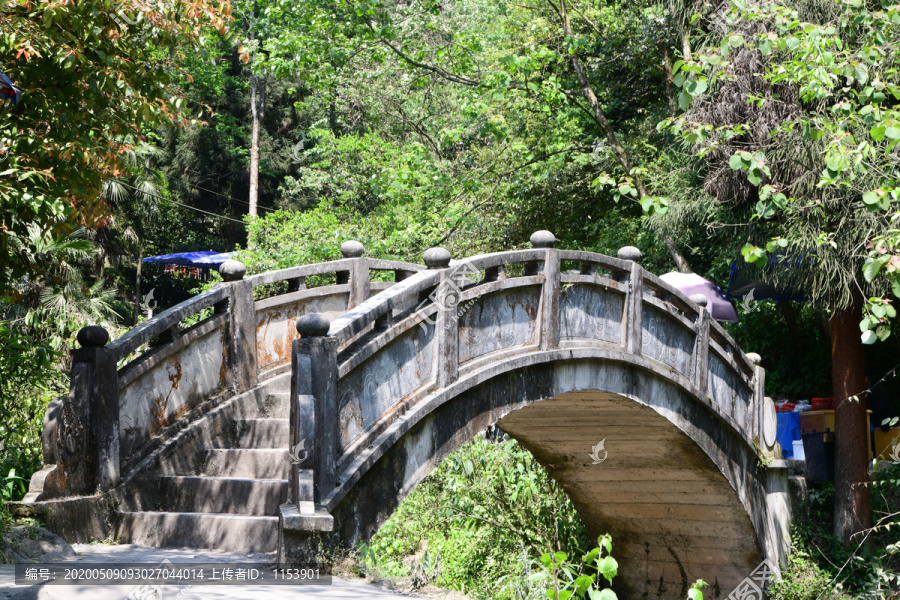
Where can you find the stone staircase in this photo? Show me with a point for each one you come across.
(220, 485)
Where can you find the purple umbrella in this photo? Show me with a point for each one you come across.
(690, 283)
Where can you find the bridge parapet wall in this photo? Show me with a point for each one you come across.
(129, 396)
(402, 346)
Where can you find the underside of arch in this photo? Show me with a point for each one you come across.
(680, 490)
(673, 516)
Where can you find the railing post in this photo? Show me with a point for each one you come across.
(549, 291)
(446, 298)
(314, 426)
(495, 273)
(88, 431)
(242, 353)
(359, 273)
(701, 346)
(765, 425)
(634, 299)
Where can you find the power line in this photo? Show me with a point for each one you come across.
(232, 198)
(179, 203)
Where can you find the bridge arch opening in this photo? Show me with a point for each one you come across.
(679, 491)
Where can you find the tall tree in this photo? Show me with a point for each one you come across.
(93, 79)
(795, 123)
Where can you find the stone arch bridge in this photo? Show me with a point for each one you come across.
(308, 402)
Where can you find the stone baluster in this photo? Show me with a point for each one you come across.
(296, 284)
(700, 354)
(314, 424)
(495, 273)
(550, 290)
(88, 432)
(633, 326)
(446, 299)
(588, 267)
(242, 350)
(359, 273)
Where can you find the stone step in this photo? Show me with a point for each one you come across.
(223, 532)
(246, 462)
(262, 433)
(199, 494)
(273, 405)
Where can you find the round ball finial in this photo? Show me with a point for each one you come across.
(754, 357)
(629, 253)
(93, 336)
(436, 258)
(313, 325)
(352, 249)
(699, 299)
(542, 239)
(232, 270)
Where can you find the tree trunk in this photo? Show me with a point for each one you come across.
(254, 144)
(137, 285)
(670, 80)
(257, 112)
(852, 510)
(686, 45)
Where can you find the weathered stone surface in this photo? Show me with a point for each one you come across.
(313, 325)
(664, 338)
(162, 395)
(232, 270)
(93, 336)
(629, 253)
(436, 258)
(383, 383)
(276, 326)
(699, 299)
(352, 249)
(542, 239)
(708, 480)
(590, 312)
(500, 321)
(34, 545)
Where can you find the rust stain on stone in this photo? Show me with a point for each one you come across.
(275, 330)
(158, 410)
(223, 370)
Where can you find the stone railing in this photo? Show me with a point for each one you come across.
(354, 376)
(213, 346)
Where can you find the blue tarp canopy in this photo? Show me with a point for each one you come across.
(777, 280)
(203, 259)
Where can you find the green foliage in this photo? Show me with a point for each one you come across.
(565, 580)
(803, 579)
(91, 83)
(818, 150)
(484, 513)
(28, 380)
(796, 352)
(820, 567)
